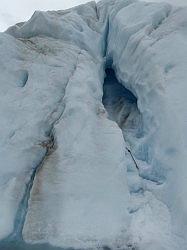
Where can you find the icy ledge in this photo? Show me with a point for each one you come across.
(87, 193)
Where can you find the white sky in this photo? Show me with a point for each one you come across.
(15, 11)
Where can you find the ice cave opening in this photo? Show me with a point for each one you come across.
(115, 94)
(121, 105)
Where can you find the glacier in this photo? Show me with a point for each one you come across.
(93, 120)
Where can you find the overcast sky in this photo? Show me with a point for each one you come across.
(14, 11)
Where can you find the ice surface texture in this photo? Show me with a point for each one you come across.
(86, 191)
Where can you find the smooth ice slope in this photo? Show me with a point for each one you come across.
(28, 112)
(34, 75)
(87, 192)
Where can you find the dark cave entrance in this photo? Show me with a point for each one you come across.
(114, 90)
(122, 107)
(120, 103)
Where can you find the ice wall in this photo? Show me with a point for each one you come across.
(86, 191)
(147, 45)
(35, 71)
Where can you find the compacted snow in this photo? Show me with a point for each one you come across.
(93, 127)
